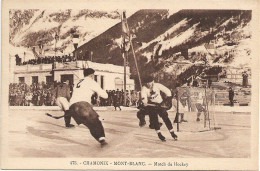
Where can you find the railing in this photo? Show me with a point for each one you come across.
(28, 68)
(219, 97)
(222, 97)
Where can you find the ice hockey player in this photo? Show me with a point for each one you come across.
(152, 100)
(81, 108)
(200, 107)
(62, 94)
(142, 112)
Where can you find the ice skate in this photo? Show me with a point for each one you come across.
(161, 136)
(103, 143)
(174, 135)
(182, 118)
(70, 126)
(141, 124)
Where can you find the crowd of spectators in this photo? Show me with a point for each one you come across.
(45, 60)
(36, 94)
(117, 97)
(42, 94)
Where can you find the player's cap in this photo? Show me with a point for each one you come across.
(148, 79)
(88, 71)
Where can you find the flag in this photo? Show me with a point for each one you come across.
(157, 51)
(210, 48)
(75, 40)
(125, 29)
(125, 34)
(56, 37)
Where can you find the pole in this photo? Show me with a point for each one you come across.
(41, 49)
(54, 61)
(177, 110)
(205, 114)
(24, 56)
(55, 49)
(138, 73)
(207, 107)
(132, 47)
(124, 56)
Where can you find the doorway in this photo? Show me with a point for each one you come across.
(67, 77)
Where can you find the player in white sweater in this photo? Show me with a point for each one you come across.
(81, 107)
(151, 95)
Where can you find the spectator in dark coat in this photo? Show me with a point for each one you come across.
(245, 79)
(231, 96)
(116, 100)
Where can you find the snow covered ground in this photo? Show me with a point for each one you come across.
(216, 108)
(33, 134)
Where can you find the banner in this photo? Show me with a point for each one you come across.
(125, 34)
(210, 48)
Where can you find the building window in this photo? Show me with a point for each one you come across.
(95, 77)
(66, 77)
(35, 79)
(102, 81)
(119, 83)
(49, 79)
(21, 79)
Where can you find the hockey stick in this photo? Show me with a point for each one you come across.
(176, 119)
(55, 117)
(166, 107)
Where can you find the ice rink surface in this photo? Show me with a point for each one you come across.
(33, 134)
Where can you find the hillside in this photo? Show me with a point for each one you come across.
(172, 45)
(28, 28)
(161, 39)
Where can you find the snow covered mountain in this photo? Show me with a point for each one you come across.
(29, 28)
(177, 44)
(171, 44)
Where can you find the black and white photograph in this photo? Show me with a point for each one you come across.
(129, 87)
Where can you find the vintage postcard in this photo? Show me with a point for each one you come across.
(130, 85)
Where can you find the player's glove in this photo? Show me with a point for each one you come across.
(141, 105)
(167, 103)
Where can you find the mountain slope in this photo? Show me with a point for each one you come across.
(169, 44)
(160, 40)
(31, 27)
